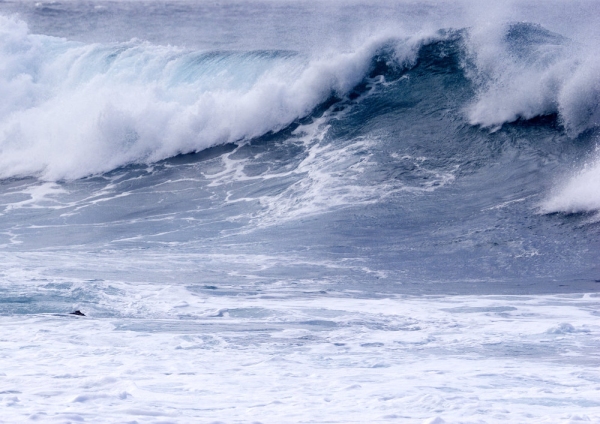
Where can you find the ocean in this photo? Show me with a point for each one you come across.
(296, 211)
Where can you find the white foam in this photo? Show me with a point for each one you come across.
(580, 193)
(327, 359)
(72, 109)
(39, 196)
(328, 178)
(534, 73)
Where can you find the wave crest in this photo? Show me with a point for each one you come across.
(74, 109)
(79, 109)
(523, 71)
(579, 194)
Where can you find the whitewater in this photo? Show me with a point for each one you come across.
(295, 211)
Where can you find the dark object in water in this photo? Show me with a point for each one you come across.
(78, 313)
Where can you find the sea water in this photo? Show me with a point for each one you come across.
(298, 211)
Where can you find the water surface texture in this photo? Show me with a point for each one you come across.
(297, 211)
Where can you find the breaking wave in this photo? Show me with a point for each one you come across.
(72, 109)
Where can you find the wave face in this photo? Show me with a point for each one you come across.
(412, 133)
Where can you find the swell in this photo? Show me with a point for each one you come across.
(74, 109)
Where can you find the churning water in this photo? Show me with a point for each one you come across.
(296, 211)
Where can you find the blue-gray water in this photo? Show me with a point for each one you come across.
(380, 181)
(263, 179)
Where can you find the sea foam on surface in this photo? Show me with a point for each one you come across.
(309, 359)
